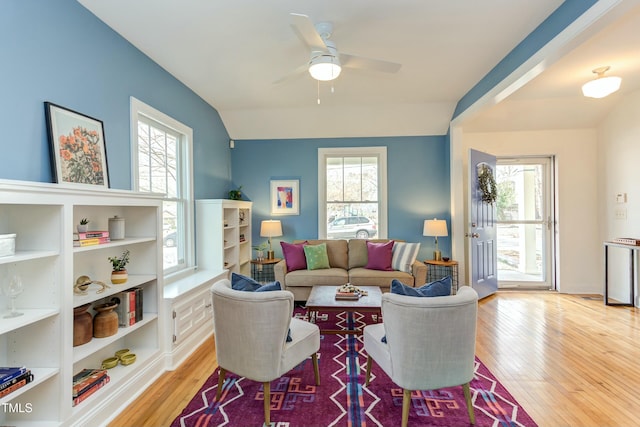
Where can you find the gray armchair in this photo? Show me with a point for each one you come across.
(250, 330)
(430, 343)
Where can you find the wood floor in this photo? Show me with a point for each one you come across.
(569, 361)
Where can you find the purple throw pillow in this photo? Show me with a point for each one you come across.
(294, 255)
(379, 255)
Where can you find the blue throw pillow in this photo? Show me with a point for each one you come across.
(243, 283)
(273, 286)
(439, 288)
(247, 284)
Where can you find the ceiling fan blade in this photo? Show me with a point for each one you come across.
(297, 73)
(352, 61)
(305, 29)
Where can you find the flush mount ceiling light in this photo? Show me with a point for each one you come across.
(325, 66)
(601, 86)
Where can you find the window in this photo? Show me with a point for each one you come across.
(352, 193)
(161, 158)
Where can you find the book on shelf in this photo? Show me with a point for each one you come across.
(91, 241)
(90, 235)
(126, 308)
(28, 377)
(139, 311)
(348, 295)
(86, 379)
(24, 376)
(10, 372)
(90, 391)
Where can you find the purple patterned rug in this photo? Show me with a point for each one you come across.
(342, 399)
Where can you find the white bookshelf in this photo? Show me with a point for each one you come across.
(44, 217)
(220, 225)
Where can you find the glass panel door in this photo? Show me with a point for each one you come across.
(525, 222)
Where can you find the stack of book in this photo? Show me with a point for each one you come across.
(89, 238)
(350, 292)
(12, 378)
(347, 295)
(129, 307)
(87, 382)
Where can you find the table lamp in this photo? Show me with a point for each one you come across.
(270, 228)
(435, 228)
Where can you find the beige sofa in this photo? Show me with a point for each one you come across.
(347, 259)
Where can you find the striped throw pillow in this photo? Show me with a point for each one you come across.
(404, 255)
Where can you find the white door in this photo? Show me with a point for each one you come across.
(481, 229)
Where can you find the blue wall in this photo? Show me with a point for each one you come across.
(57, 51)
(417, 174)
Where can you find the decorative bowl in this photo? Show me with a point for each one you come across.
(128, 359)
(109, 363)
(446, 258)
(121, 353)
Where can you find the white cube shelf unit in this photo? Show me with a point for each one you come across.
(44, 217)
(223, 235)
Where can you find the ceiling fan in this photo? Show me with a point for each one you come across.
(325, 62)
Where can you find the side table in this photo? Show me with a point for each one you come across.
(262, 270)
(436, 270)
(632, 275)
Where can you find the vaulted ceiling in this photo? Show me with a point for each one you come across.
(232, 53)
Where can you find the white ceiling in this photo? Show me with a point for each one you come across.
(230, 52)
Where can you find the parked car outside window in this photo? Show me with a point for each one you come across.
(359, 227)
(169, 240)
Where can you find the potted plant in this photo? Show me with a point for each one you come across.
(83, 226)
(236, 194)
(260, 250)
(119, 274)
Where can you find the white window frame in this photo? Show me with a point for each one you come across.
(381, 154)
(138, 109)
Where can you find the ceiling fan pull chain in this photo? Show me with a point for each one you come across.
(318, 91)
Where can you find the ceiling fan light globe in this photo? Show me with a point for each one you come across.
(325, 68)
(601, 87)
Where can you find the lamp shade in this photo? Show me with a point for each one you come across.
(599, 88)
(435, 227)
(271, 228)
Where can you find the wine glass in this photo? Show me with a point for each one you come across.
(12, 287)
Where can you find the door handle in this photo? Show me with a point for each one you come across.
(472, 235)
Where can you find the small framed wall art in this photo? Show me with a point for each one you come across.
(285, 197)
(78, 154)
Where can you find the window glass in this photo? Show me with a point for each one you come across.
(352, 193)
(161, 150)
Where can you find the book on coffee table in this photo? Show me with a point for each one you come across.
(348, 295)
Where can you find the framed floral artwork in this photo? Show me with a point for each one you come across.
(78, 154)
(285, 197)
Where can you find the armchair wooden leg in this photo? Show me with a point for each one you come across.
(267, 403)
(368, 370)
(316, 368)
(221, 376)
(406, 400)
(467, 397)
